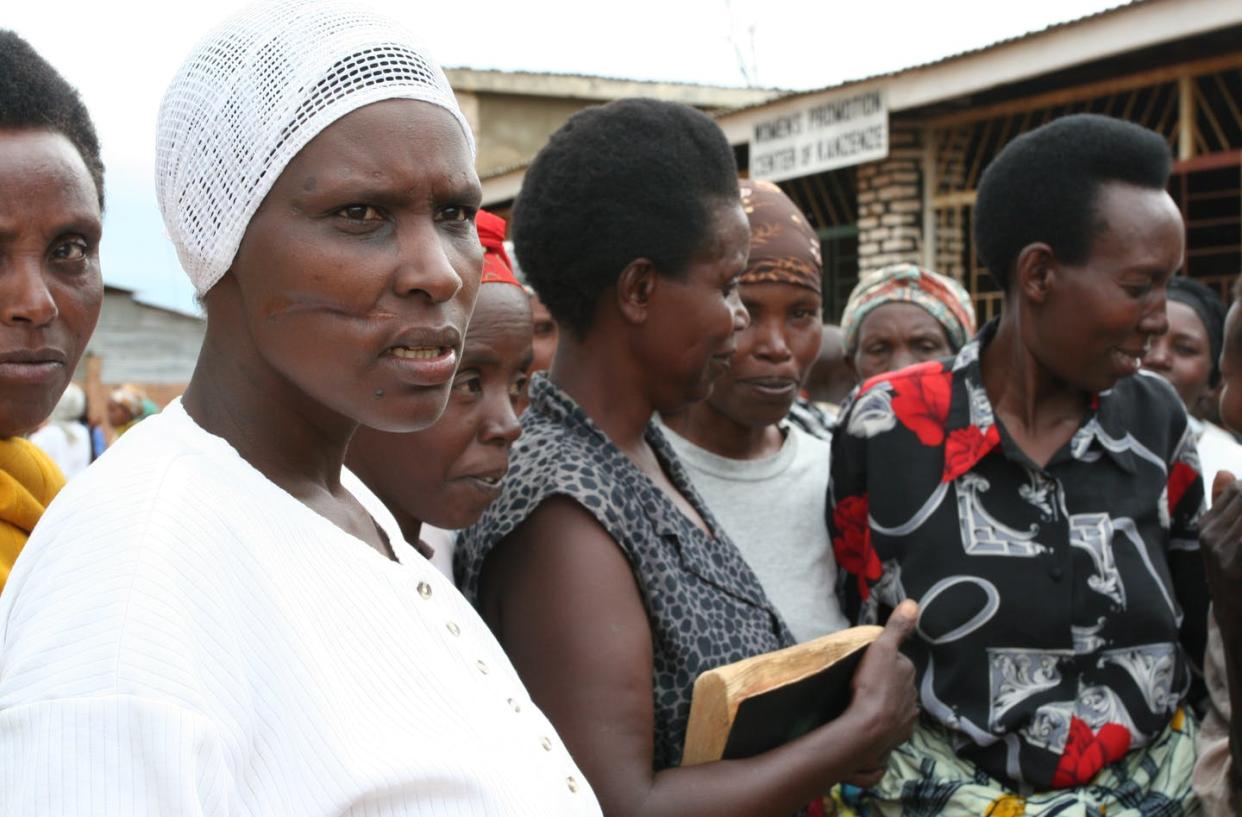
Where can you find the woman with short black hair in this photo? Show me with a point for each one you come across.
(1040, 498)
(601, 571)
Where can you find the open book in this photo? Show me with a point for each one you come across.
(762, 702)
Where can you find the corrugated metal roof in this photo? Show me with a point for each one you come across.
(908, 69)
(611, 78)
(970, 52)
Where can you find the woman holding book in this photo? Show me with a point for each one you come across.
(601, 571)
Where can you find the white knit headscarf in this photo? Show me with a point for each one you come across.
(253, 93)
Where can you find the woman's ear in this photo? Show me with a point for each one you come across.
(635, 287)
(1034, 272)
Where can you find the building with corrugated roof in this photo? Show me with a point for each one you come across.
(886, 167)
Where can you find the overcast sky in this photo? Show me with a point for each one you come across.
(122, 54)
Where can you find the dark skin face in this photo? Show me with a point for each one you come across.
(897, 335)
(1069, 331)
(50, 284)
(448, 474)
(1183, 355)
(690, 321)
(546, 333)
(353, 286)
(1098, 319)
(774, 354)
(346, 303)
(118, 415)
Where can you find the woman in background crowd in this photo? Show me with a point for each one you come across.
(1041, 502)
(64, 437)
(51, 206)
(1188, 356)
(1218, 771)
(127, 406)
(763, 477)
(600, 569)
(902, 315)
(446, 475)
(208, 622)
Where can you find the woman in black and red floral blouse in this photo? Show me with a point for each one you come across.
(1039, 498)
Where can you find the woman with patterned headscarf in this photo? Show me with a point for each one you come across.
(764, 477)
(904, 314)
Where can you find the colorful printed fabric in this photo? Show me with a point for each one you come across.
(942, 297)
(783, 247)
(29, 480)
(1058, 605)
(926, 778)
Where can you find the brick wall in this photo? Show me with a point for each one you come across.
(890, 204)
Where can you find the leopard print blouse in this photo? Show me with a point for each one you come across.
(705, 605)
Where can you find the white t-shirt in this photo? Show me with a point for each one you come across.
(773, 510)
(182, 637)
(1218, 451)
(69, 448)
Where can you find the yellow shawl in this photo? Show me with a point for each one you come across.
(28, 481)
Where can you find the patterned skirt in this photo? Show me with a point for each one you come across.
(927, 779)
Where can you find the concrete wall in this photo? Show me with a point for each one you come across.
(512, 129)
(136, 343)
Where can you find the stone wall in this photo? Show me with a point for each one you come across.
(890, 204)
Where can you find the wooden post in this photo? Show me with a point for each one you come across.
(929, 190)
(1186, 117)
(96, 391)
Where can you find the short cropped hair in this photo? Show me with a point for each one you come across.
(1043, 186)
(636, 178)
(34, 95)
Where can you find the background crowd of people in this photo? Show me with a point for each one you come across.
(453, 512)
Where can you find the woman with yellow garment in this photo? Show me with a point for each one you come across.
(50, 287)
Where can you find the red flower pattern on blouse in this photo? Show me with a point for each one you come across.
(852, 546)
(1087, 752)
(1181, 477)
(921, 400)
(965, 447)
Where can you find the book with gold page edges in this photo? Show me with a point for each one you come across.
(759, 703)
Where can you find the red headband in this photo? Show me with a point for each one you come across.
(496, 266)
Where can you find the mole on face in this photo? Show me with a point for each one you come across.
(310, 184)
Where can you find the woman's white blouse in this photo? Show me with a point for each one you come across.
(182, 637)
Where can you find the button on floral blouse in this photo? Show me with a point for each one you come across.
(1059, 605)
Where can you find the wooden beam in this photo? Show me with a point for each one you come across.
(961, 198)
(1185, 117)
(1066, 96)
(930, 142)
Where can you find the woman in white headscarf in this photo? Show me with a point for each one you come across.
(64, 437)
(216, 619)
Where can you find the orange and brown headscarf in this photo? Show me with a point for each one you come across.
(783, 247)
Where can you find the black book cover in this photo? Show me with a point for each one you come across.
(778, 716)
